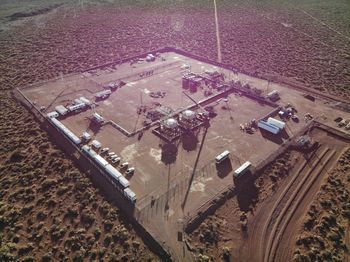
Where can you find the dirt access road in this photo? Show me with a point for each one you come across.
(273, 229)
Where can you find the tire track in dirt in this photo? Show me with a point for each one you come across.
(347, 243)
(290, 210)
(256, 246)
(307, 170)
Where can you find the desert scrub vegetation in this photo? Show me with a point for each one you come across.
(49, 206)
(325, 227)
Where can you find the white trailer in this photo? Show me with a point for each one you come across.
(85, 100)
(76, 107)
(242, 169)
(52, 114)
(123, 182)
(222, 156)
(62, 110)
(130, 195)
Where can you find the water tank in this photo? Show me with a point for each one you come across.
(171, 123)
(188, 114)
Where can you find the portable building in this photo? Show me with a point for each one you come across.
(123, 182)
(268, 127)
(273, 95)
(113, 173)
(77, 101)
(89, 151)
(96, 144)
(86, 136)
(103, 93)
(97, 118)
(52, 114)
(85, 100)
(76, 107)
(222, 156)
(278, 123)
(130, 194)
(100, 160)
(62, 110)
(242, 169)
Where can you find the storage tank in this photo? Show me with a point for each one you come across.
(188, 115)
(170, 123)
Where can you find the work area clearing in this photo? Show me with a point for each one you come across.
(163, 173)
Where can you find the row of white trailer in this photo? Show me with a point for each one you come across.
(76, 140)
(115, 176)
(79, 104)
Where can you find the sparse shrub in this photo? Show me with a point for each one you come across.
(28, 259)
(62, 190)
(27, 208)
(71, 213)
(25, 249)
(93, 255)
(5, 251)
(107, 225)
(48, 183)
(51, 203)
(78, 257)
(101, 252)
(203, 258)
(56, 232)
(136, 244)
(46, 258)
(226, 254)
(15, 239)
(97, 234)
(87, 218)
(107, 240)
(41, 215)
(113, 258)
(103, 209)
(3, 222)
(17, 156)
(309, 223)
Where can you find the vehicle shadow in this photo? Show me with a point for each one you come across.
(246, 191)
(224, 168)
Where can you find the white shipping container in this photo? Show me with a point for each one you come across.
(61, 110)
(85, 100)
(268, 127)
(130, 194)
(100, 160)
(124, 182)
(278, 123)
